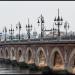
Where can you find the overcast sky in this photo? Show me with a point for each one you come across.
(13, 11)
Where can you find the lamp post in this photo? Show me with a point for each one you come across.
(5, 32)
(58, 22)
(11, 31)
(41, 22)
(28, 29)
(18, 26)
(66, 26)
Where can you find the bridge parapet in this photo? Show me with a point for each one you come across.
(38, 42)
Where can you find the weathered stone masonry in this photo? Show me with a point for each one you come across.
(56, 55)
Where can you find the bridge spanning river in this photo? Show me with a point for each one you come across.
(56, 54)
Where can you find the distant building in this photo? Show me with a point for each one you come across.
(50, 34)
(34, 34)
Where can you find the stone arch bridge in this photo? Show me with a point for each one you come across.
(55, 54)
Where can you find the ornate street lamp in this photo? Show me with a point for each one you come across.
(28, 29)
(11, 31)
(58, 22)
(41, 22)
(66, 26)
(18, 26)
(5, 32)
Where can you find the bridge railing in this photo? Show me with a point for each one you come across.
(47, 39)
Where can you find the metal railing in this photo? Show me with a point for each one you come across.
(45, 39)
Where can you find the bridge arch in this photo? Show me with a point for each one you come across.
(1, 53)
(12, 53)
(6, 53)
(56, 59)
(71, 64)
(29, 56)
(41, 57)
(20, 55)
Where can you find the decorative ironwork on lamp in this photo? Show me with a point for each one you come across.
(41, 22)
(11, 31)
(28, 29)
(66, 26)
(58, 21)
(18, 26)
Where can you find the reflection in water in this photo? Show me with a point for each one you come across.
(9, 69)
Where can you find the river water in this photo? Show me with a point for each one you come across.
(9, 69)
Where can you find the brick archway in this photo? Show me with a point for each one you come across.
(29, 55)
(6, 53)
(71, 64)
(1, 53)
(20, 55)
(41, 57)
(12, 54)
(56, 59)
